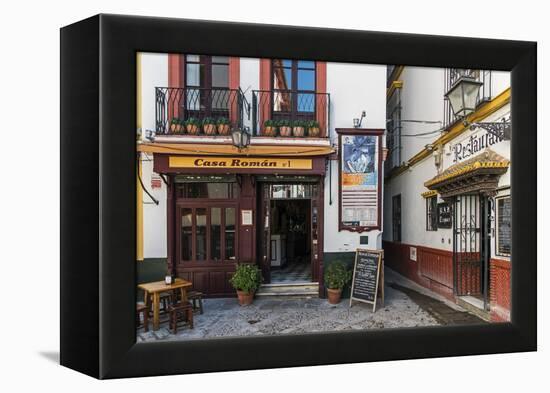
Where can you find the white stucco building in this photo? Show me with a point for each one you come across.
(447, 187)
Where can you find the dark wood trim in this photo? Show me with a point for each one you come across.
(206, 204)
(360, 131)
(321, 236)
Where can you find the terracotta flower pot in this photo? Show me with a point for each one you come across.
(174, 128)
(192, 129)
(223, 129)
(209, 129)
(298, 131)
(245, 298)
(314, 132)
(334, 295)
(285, 131)
(269, 131)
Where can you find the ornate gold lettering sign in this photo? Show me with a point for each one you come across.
(238, 162)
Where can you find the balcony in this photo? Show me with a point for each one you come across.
(175, 107)
(280, 112)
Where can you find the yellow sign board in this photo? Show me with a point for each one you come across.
(239, 162)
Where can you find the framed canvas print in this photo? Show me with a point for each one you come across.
(241, 196)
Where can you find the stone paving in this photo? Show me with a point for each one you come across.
(225, 318)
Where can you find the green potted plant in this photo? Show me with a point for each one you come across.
(337, 276)
(246, 280)
(193, 126)
(285, 129)
(209, 126)
(174, 125)
(298, 128)
(270, 128)
(313, 129)
(224, 126)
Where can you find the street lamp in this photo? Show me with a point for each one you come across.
(463, 99)
(241, 138)
(463, 96)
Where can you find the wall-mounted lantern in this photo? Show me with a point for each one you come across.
(241, 138)
(463, 99)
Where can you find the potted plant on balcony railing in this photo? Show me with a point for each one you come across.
(313, 129)
(298, 128)
(285, 129)
(224, 126)
(193, 126)
(209, 126)
(270, 128)
(176, 126)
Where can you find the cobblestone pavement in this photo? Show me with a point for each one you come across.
(404, 307)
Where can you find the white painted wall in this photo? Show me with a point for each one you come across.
(352, 88)
(421, 99)
(154, 73)
(422, 89)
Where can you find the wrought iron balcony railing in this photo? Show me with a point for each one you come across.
(184, 103)
(452, 75)
(283, 106)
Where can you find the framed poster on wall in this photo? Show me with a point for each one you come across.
(360, 178)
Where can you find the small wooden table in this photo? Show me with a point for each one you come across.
(156, 288)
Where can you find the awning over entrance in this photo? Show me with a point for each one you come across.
(230, 150)
(477, 174)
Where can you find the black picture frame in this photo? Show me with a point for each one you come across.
(98, 185)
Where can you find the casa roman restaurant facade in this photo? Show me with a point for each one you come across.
(208, 200)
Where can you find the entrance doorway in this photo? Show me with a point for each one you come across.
(471, 248)
(290, 241)
(289, 233)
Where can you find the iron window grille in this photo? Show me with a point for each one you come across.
(431, 213)
(452, 75)
(393, 132)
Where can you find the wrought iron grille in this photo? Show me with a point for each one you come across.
(184, 103)
(471, 245)
(393, 132)
(452, 75)
(290, 106)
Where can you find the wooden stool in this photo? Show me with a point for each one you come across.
(166, 298)
(143, 309)
(195, 296)
(184, 310)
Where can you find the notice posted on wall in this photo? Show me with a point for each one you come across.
(359, 163)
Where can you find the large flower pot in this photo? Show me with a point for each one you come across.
(269, 131)
(209, 129)
(285, 131)
(192, 129)
(314, 132)
(334, 295)
(223, 129)
(298, 131)
(245, 298)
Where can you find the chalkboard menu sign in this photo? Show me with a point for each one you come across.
(367, 273)
(444, 215)
(504, 226)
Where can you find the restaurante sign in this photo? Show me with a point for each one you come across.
(238, 162)
(474, 144)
